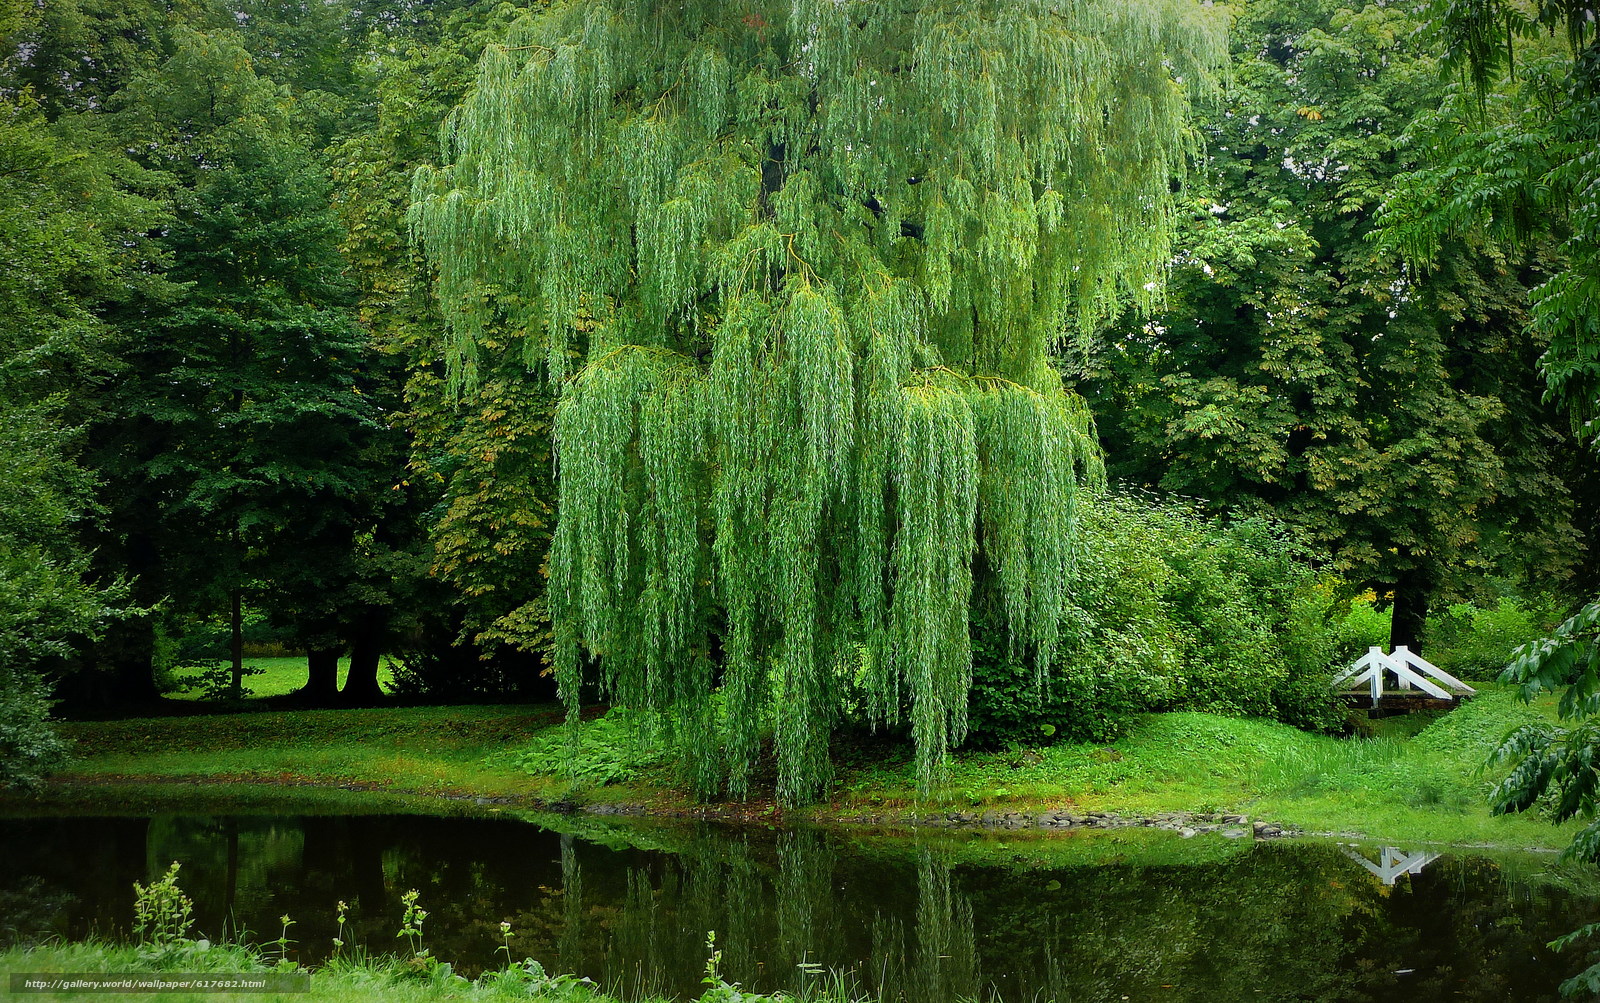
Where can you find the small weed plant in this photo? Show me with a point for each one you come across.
(411, 923)
(283, 942)
(162, 913)
(338, 938)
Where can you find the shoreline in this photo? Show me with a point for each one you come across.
(222, 794)
(1183, 772)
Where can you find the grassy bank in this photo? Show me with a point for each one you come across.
(398, 750)
(384, 980)
(1406, 782)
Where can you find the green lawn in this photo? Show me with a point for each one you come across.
(1426, 786)
(418, 750)
(278, 677)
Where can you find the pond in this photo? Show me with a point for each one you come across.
(1130, 915)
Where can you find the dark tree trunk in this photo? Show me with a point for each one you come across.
(122, 673)
(236, 642)
(366, 649)
(121, 666)
(1412, 593)
(322, 676)
(230, 895)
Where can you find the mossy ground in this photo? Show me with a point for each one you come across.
(1414, 779)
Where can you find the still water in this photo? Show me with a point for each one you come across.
(1078, 917)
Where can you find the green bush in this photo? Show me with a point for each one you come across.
(1474, 642)
(1170, 610)
(1075, 702)
(45, 607)
(197, 641)
(1363, 626)
(611, 748)
(29, 747)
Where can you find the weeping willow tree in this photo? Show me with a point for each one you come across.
(794, 268)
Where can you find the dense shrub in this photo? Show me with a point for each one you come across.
(1475, 642)
(608, 749)
(44, 607)
(29, 747)
(441, 671)
(1361, 627)
(1170, 610)
(203, 638)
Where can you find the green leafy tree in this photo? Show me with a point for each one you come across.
(793, 272)
(1512, 159)
(1301, 372)
(1521, 163)
(239, 435)
(1531, 155)
(68, 244)
(480, 491)
(1555, 765)
(74, 55)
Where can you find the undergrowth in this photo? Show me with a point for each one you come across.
(163, 945)
(606, 750)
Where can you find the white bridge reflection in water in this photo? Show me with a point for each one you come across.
(1392, 862)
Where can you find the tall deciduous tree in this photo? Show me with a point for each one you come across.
(795, 270)
(238, 435)
(68, 243)
(1525, 173)
(1301, 371)
(481, 463)
(74, 55)
(1513, 156)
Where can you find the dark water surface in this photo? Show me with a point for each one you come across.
(1136, 916)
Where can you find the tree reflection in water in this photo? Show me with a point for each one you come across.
(1076, 918)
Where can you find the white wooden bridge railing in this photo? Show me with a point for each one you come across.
(1409, 670)
(1392, 862)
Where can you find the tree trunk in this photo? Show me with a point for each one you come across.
(236, 645)
(1412, 594)
(366, 648)
(322, 676)
(231, 891)
(120, 669)
(121, 673)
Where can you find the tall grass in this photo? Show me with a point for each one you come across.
(1331, 765)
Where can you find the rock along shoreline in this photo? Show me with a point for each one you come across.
(1186, 824)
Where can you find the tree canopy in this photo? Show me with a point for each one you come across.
(1521, 162)
(1300, 370)
(795, 271)
(722, 359)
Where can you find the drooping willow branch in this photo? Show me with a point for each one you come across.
(786, 430)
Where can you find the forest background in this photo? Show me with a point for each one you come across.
(1358, 407)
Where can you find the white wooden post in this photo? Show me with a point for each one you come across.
(1369, 670)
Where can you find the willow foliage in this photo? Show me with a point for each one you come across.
(795, 268)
